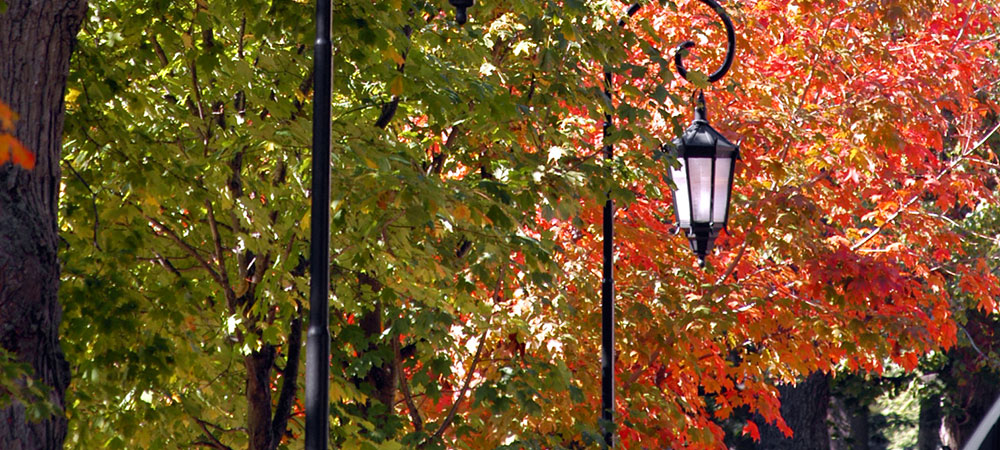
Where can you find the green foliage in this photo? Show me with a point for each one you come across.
(17, 384)
(187, 191)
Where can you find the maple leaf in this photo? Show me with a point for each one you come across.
(751, 429)
(10, 148)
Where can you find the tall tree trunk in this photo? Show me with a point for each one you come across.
(848, 419)
(804, 407)
(259, 364)
(36, 39)
(929, 423)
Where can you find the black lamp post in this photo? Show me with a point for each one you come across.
(317, 398)
(705, 178)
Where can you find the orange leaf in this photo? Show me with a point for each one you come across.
(7, 117)
(12, 150)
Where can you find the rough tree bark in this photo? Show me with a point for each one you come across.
(804, 407)
(929, 423)
(36, 39)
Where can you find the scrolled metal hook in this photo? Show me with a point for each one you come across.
(730, 49)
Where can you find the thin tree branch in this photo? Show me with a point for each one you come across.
(93, 200)
(461, 396)
(289, 382)
(197, 89)
(187, 247)
(158, 49)
(472, 369)
(940, 175)
(220, 258)
(165, 262)
(216, 443)
(243, 30)
(404, 386)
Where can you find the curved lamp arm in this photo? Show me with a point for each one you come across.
(730, 49)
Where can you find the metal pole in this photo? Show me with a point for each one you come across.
(608, 282)
(318, 339)
(608, 297)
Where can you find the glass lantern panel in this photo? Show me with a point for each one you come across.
(701, 189)
(681, 201)
(721, 187)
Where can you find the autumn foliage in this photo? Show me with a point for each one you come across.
(864, 129)
(10, 148)
(468, 181)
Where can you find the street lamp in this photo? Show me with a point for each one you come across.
(317, 396)
(707, 159)
(703, 181)
(701, 202)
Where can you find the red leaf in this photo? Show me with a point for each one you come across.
(751, 429)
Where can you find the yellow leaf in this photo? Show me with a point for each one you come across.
(391, 53)
(71, 96)
(305, 222)
(188, 43)
(461, 212)
(569, 32)
(396, 86)
(149, 200)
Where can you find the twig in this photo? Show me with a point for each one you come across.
(165, 262)
(961, 32)
(472, 369)
(739, 255)
(637, 373)
(93, 199)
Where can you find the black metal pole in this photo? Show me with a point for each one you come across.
(608, 281)
(318, 339)
(608, 296)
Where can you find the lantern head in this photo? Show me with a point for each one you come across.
(703, 181)
(460, 6)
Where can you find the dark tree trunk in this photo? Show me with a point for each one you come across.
(849, 423)
(36, 39)
(929, 423)
(972, 395)
(259, 364)
(804, 407)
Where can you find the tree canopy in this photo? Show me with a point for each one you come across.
(467, 183)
